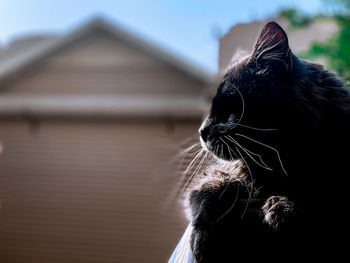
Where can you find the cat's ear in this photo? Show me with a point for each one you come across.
(272, 46)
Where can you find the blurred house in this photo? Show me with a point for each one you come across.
(88, 124)
(242, 37)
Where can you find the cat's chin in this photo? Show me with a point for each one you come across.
(223, 158)
(214, 154)
(206, 148)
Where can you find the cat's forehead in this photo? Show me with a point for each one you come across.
(240, 75)
(240, 56)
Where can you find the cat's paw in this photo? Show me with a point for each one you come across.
(278, 211)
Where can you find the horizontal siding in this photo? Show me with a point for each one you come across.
(124, 81)
(89, 191)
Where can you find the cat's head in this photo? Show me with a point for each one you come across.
(252, 95)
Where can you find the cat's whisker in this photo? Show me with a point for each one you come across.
(255, 154)
(188, 149)
(216, 149)
(179, 160)
(227, 184)
(187, 140)
(247, 152)
(184, 174)
(189, 167)
(251, 176)
(259, 156)
(228, 147)
(222, 150)
(246, 164)
(268, 146)
(250, 191)
(231, 207)
(182, 162)
(193, 161)
(201, 163)
(201, 151)
(189, 181)
(186, 157)
(253, 128)
(181, 155)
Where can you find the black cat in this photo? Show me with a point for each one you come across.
(288, 121)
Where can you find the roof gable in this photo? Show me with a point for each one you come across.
(14, 66)
(100, 64)
(100, 50)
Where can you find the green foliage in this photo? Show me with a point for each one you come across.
(295, 17)
(336, 50)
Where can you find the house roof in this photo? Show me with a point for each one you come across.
(12, 66)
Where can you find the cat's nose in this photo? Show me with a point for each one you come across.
(204, 134)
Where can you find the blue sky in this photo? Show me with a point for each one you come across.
(189, 28)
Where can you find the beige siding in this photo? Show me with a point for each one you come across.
(89, 191)
(121, 81)
(100, 64)
(88, 135)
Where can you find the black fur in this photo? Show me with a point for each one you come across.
(296, 116)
